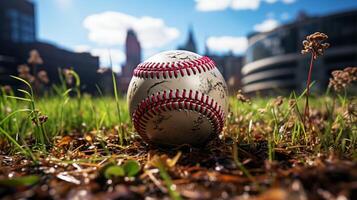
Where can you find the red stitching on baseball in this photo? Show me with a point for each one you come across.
(177, 100)
(173, 69)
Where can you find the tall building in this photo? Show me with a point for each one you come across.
(18, 38)
(133, 58)
(274, 64)
(190, 44)
(133, 53)
(17, 26)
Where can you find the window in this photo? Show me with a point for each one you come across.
(21, 26)
(13, 15)
(277, 43)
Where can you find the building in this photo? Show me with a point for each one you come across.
(133, 58)
(190, 44)
(17, 21)
(18, 38)
(274, 64)
(17, 25)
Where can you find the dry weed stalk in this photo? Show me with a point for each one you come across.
(241, 97)
(68, 76)
(29, 72)
(315, 45)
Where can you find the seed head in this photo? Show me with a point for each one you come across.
(314, 44)
(35, 58)
(23, 69)
(278, 101)
(68, 76)
(42, 118)
(6, 89)
(341, 79)
(350, 115)
(42, 76)
(24, 72)
(242, 98)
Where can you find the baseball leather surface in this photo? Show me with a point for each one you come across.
(177, 97)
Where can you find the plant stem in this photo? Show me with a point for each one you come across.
(120, 130)
(168, 181)
(306, 113)
(240, 164)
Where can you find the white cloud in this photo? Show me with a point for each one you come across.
(116, 55)
(109, 28)
(216, 5)
(227, 43)
(245, 4)
(266, 25)
(211, 5)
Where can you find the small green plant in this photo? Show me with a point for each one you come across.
(162, 163)
(37, 118)
(114, 171)
(20, 181)
(71, 75)
(129, 169)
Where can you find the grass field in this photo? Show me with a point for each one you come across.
(72, 145)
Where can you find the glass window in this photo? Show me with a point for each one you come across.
(341, 30)
(21, 26)
(27, 28)
(13, 16)
(277, 43)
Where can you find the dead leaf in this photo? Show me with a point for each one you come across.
(64, 141)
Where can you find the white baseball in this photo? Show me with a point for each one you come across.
(177, 97)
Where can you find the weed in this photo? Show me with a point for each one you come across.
(161, 163)
(35, 115)
(314, 45)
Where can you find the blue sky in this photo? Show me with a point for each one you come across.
(98, 25)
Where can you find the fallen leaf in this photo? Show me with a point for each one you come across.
(64, 141)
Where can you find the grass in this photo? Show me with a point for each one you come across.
(98, 113)
(82, 131)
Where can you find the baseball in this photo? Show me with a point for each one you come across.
(177, 97)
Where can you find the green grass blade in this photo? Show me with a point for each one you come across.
(19, 98)
(22, 80)
(25, 92)
(13, 113)
(11, 139)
